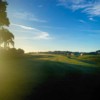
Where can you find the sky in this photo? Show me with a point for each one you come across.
(49, 25)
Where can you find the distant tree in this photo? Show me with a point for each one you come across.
(98, 51)
(20, 51)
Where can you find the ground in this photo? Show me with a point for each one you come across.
(33, 76)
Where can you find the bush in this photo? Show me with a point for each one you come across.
(20, 51)
(11, 53)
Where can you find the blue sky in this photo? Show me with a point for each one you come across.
(44, 25)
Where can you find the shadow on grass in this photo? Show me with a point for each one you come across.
(67, 82)
(86, 61)
(71, 87)
(36, 56)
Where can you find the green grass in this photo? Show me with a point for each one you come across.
(20, 76)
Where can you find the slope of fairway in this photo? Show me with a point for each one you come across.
(19, 77)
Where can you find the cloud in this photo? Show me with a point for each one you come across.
(52, 27)
(91, 19)
(27, 16)
(82, 21)
(27, 32)
(44, 35)
(91, 7)
(24, 27)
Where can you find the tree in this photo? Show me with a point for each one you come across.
(6, 36)
(98, 51)
(4, 21)
(10, 42)
(20, 51)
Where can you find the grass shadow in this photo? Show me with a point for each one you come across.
(67, 82)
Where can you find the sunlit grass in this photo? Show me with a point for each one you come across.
(65, 59)
(19, 76)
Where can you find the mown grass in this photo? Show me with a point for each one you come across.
(19, 77)
(91, 58)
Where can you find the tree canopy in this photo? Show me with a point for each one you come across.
(4, 21)
(6, 36)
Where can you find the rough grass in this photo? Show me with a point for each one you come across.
(20, 77)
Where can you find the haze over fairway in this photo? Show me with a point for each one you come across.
(44, 25)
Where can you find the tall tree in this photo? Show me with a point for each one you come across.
(4, 21)
(5, 35)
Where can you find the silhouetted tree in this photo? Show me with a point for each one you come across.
(4, 21)
(98, 52)
(10, 42)
(6, 36)
(20, 51)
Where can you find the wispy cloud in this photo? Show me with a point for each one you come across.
(91, 19)
(25, 27)
(93, 31)
(82, 21)
(91, 7)
(27, 16)
(29, 32)
(52, 27)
